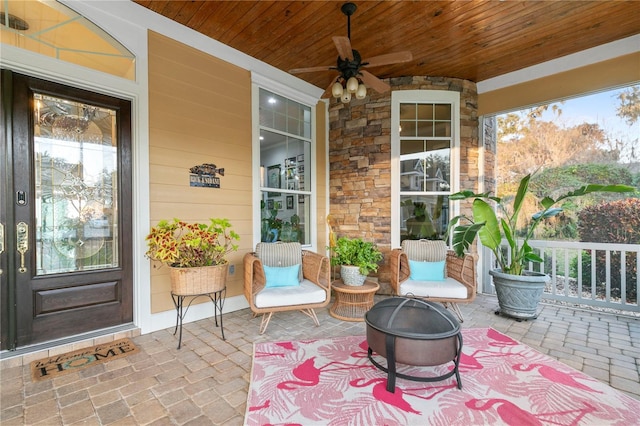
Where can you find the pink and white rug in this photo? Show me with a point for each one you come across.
(504, 382)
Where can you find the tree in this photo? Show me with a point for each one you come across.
(557, 156)
(629, 107)
(527, 144)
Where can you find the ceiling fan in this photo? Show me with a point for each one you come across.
(353, 79)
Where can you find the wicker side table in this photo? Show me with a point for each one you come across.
(352, 302)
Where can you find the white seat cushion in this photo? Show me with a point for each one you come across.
(448, 288)
(304, 294)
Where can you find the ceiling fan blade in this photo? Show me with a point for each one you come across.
(374, 82)
(343, 44)
(389, 58)
(311, 69)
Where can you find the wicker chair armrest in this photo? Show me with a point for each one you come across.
(315, 268)
(254, 278)
(399, 267)
(463, 269)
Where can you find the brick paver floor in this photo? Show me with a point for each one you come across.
(206, 381)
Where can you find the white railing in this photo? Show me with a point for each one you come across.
(595, 274)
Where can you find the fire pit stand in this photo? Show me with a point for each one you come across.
(413, 332)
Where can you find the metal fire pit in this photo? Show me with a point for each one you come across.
(413, 332)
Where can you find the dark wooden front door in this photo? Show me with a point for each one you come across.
(65, 211)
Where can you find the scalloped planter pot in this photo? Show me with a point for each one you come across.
(519, 295)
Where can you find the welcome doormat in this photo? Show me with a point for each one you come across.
(77, 360)
(504, 382)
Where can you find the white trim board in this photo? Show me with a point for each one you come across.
(591, 56)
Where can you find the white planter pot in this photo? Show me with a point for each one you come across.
(519, 295)
(351, 275)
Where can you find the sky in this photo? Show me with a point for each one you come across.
(599, 108)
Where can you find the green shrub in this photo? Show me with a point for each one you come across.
(564, 226)
(614, 222)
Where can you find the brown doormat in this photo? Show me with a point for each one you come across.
(77, 360)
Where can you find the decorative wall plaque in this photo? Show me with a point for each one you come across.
(205, 175)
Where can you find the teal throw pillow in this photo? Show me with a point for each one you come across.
(282, 276)
(426, 271)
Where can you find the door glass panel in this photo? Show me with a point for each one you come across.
(76, 186)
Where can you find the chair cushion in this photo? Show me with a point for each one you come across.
(425, 250)
(282, 276)
(303, 294)
(449, 288)
(426, 271)
(280, 254)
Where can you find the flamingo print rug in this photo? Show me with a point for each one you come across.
(504, 382)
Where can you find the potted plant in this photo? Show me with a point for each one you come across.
(195, 252)
(356, 258)
(271, 224)
(517, 289)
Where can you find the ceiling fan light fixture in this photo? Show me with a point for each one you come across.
(336, 90)
(350, 82)
(352, 85)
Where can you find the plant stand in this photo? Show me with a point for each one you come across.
(209, 281)
(217, 297)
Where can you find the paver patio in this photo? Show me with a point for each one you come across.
(206, 382)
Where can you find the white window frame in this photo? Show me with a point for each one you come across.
(261, 82)
(421, 96)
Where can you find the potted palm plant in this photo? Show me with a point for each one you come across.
(518, 290)
(195, 252)
(356, 258)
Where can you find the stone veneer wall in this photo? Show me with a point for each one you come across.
(360, 161)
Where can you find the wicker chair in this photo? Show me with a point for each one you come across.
(459, 285)
(313, 292)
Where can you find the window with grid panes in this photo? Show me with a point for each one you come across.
(285, 168)
(425, 140)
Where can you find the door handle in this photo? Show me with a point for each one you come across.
(22, 243)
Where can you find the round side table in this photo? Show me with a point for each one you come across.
(352, 302)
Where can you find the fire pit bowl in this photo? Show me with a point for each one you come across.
(413, 332)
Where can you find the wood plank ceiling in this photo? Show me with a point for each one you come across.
(474, 40)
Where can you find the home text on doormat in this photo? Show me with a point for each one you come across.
(73, 361)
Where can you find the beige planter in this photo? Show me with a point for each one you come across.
(198, 280)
